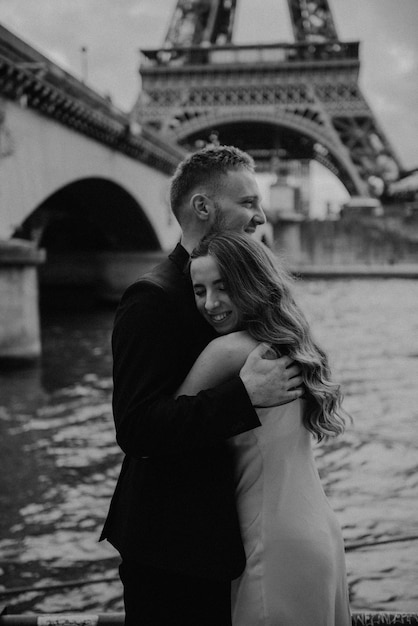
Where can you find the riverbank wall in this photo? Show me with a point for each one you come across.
(370, 243)
(350, 247)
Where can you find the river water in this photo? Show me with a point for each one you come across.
(60, 462)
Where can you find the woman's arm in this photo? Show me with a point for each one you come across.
(220, 360)
(148, 368)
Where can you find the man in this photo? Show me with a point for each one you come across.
(173, 517)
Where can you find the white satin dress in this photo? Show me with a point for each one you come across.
(295, 573)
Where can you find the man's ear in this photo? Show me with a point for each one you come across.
(201, 206)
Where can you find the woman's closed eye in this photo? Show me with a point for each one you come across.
(199, 292)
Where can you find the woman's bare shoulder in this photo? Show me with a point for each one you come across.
(220, 360)
(235, 345)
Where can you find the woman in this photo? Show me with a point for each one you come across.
(295, 572)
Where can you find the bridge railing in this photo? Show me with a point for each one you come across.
(34, 81)
(117, 619)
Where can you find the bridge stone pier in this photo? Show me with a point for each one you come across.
(83, 192)
(19, 329)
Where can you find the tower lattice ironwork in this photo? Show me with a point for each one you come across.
(281, 101)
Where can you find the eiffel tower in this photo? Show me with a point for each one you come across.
(279, 102)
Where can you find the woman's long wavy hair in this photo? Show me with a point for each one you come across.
(259, 286)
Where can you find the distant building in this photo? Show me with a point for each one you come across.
(362, 206)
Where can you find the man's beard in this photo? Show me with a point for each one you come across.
(220, 223)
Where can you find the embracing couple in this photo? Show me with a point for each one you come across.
(219, 388)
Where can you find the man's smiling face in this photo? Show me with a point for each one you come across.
(237, 202)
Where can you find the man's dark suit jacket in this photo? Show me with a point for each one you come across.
(173, 506)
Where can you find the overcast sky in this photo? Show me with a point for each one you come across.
(114, 30)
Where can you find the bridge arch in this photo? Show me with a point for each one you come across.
(305, 136)
(90, 214)
(97, 239)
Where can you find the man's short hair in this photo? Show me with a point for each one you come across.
(203, 168)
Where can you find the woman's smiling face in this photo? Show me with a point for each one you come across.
(212, 299)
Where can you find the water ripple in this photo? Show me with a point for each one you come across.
(60, 459)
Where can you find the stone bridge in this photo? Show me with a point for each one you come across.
(80, 186)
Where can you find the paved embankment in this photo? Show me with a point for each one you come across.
(356, 271)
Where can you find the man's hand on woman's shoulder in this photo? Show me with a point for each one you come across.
(271, 381)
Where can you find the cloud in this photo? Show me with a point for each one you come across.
(404, 58)
(153, 9)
